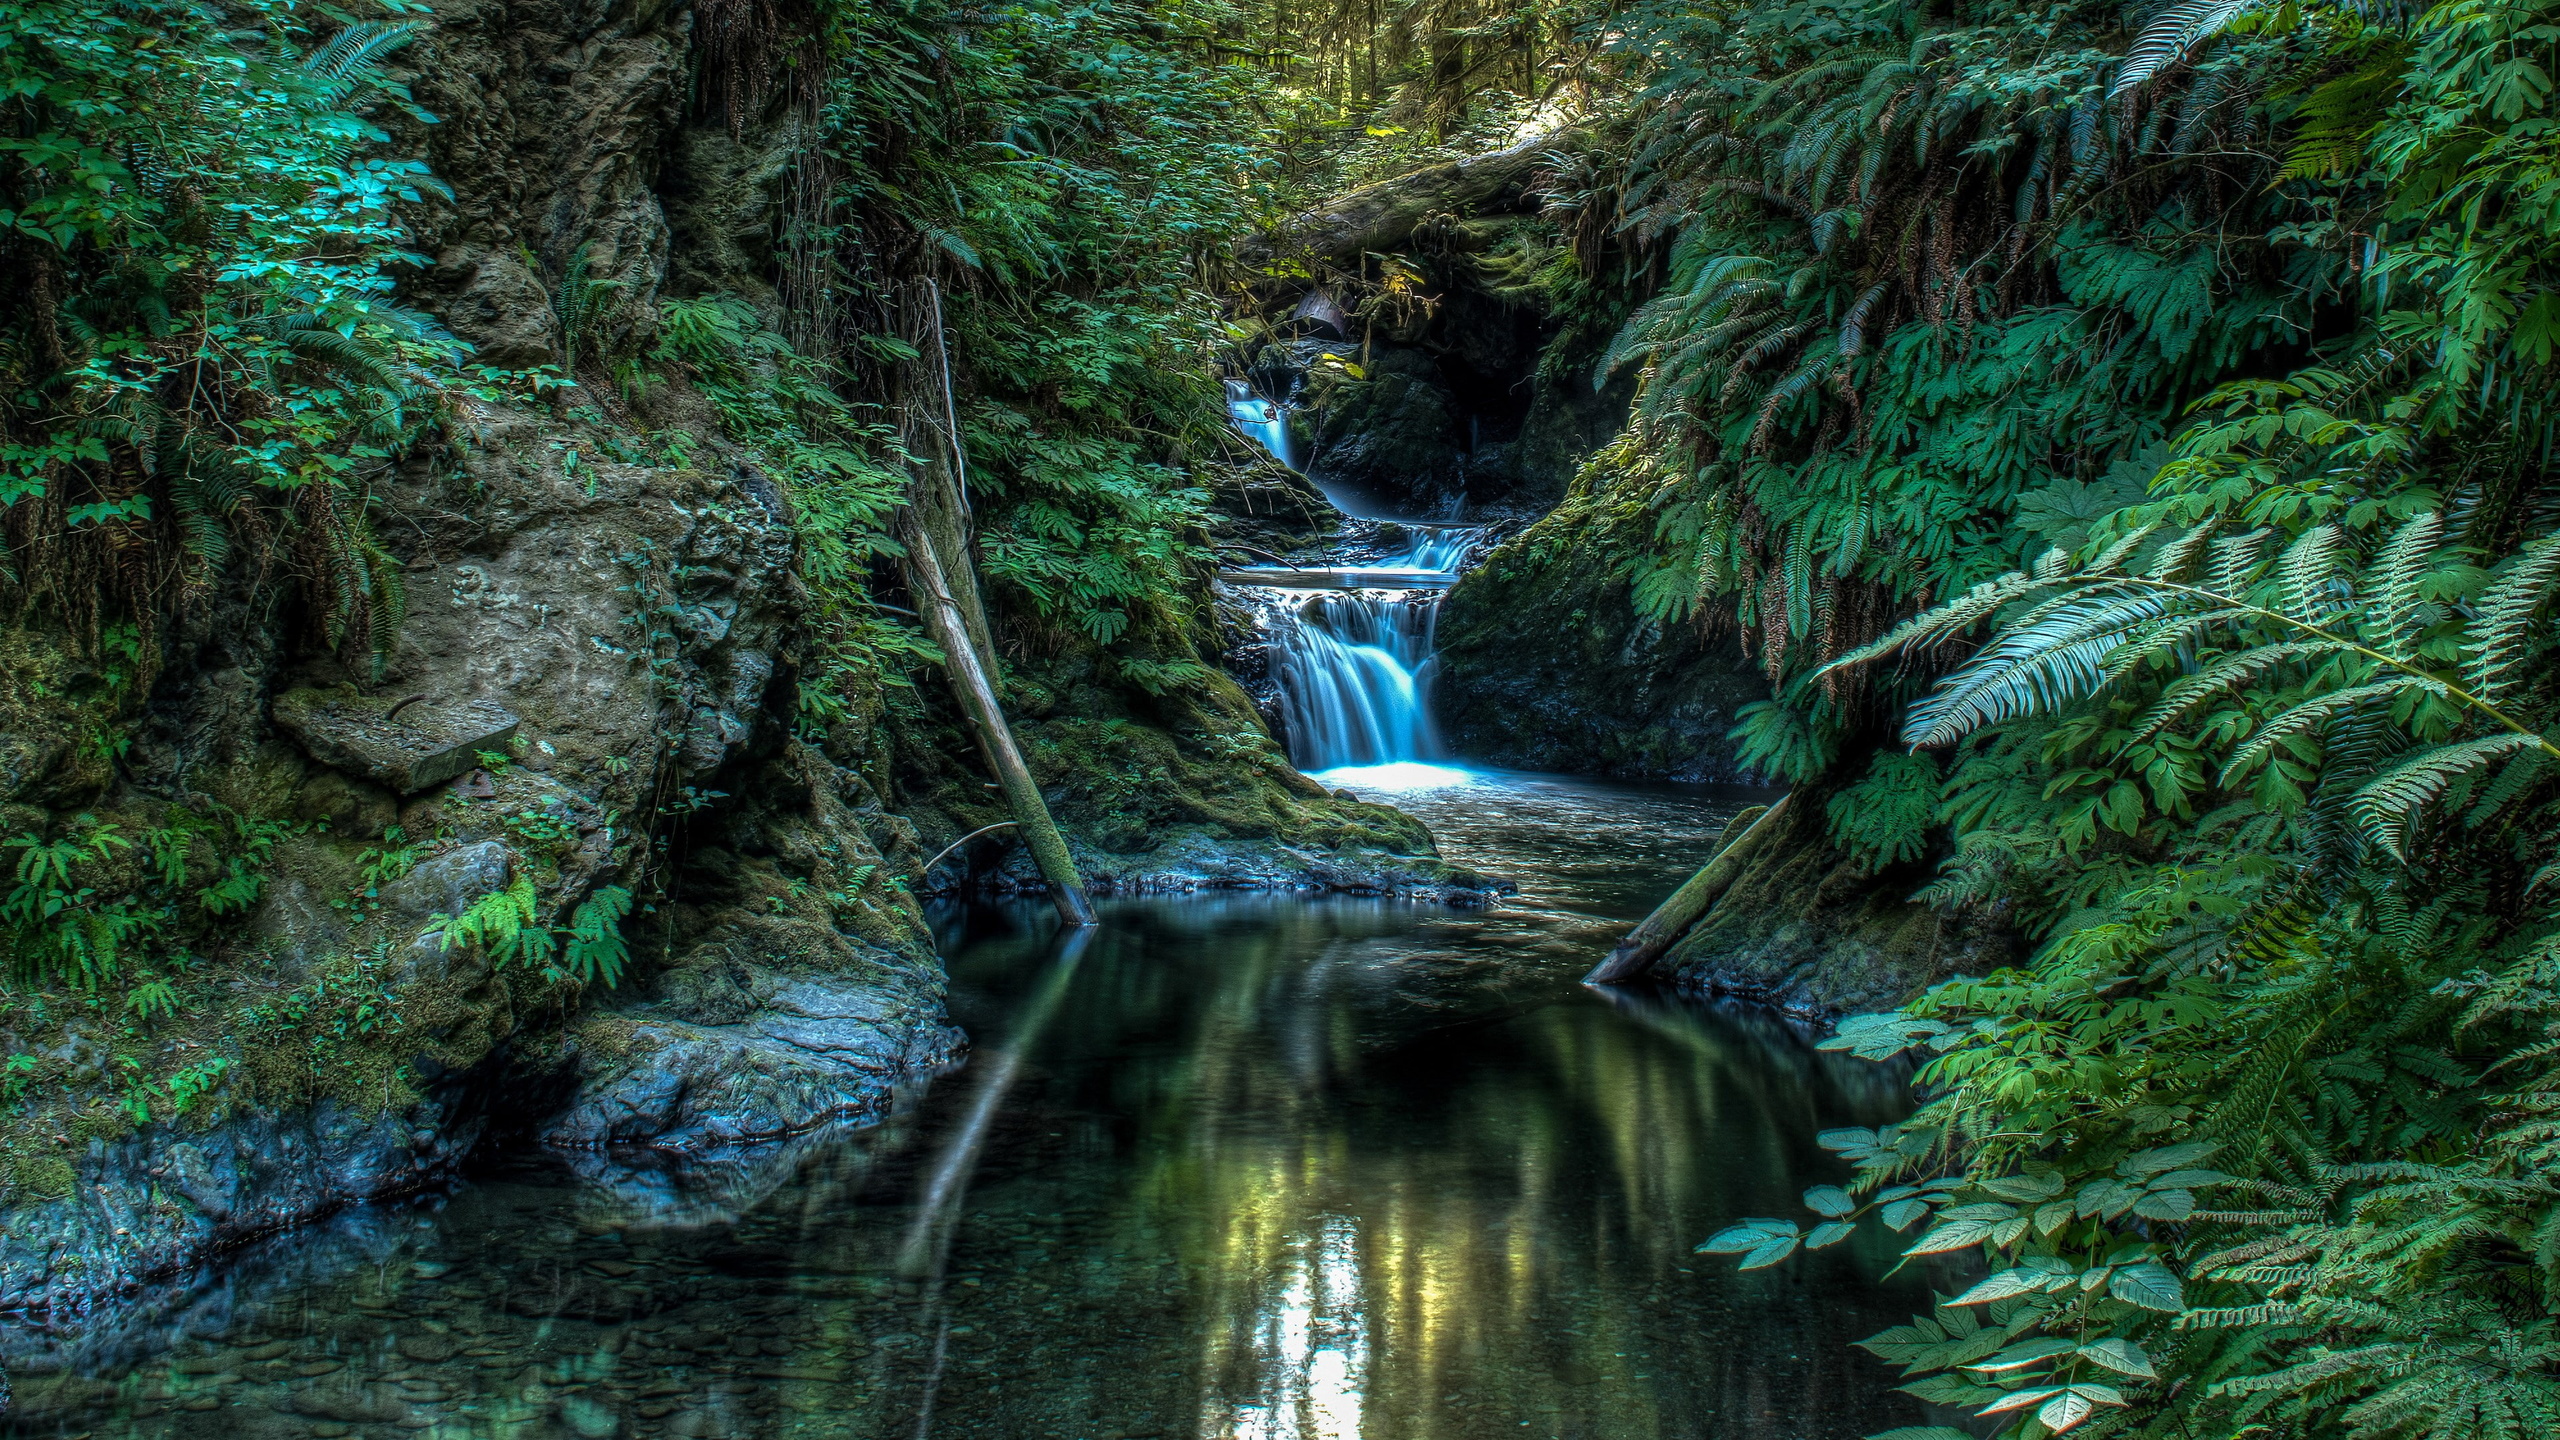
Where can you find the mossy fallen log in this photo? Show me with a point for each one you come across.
(1385, 215)
(1672, 918)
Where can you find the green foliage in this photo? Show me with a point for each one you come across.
(1885, 818)
(60, 930)
(203, 348)
(593, 947)
(505, 925)
(1785, 743)
(2260, 1139)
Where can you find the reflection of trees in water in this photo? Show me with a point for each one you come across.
(1496, 1210)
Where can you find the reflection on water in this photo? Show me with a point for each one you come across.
(1236, 1168)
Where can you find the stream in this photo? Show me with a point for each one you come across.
(1232, 1166)
(1227, 1167)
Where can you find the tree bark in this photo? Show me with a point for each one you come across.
(1672, 918)
(1385, 215)
(948, 624)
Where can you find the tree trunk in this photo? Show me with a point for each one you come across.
(1672, 918)
(948, 624)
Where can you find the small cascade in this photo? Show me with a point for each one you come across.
(1355, 677)
(1439, 547)
(1261, 419)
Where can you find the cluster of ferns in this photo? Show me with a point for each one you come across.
(2123, 436)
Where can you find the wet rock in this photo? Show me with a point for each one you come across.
(405, 743)
(821, 1050)
(1546, 665)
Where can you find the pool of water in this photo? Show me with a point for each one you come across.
(1230, 1167)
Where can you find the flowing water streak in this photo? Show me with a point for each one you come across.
(1355, 672)
(1261, 419)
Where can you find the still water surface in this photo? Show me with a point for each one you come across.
(1232, 1168)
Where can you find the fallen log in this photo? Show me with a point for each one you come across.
(1383, 216)
(948, 626)
(1673, 917)
(944, 582)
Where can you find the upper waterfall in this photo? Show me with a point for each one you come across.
(1262, 419)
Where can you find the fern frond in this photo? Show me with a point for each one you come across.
(2392, 608)
(2307, 566)
(2034, 667)
(1937, 626)
(2170, 35)
(2499, 630)
(2225, 675)
(2386, 807)
(350, 53)
(2314, 713)
(2177, 558)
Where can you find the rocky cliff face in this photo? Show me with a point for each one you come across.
(1545, 665)
(591, 703)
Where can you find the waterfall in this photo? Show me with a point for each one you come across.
(1355, 676)
(1261, 419)
(1354, 664)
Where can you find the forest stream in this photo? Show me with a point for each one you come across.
(1229, 1167)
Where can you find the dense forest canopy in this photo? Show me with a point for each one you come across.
(2122, 434)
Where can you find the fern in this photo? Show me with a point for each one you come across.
(2389, 805)
(593, 948)
(2165, 40)
(501, 924)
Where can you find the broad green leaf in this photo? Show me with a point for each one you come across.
(2188, 1180)
(1829, 1200)
(2019, 1399)
(1749, 1235)
(1901, 1213)
(2002, 1286)
(1771, 1253)
(1951, 1235)
(2019, 1357)
(1830, 1232)
(2150, 1286)
(2167, 1157)
(2025, 1187)
(2065, 1411)
(2122, 1356)
(2167, 1205)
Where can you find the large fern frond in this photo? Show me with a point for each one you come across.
(2316, 712)
(353, 51)
(2386, 807)
(2500, 628)
(2392, 606)
(2036, 666)
(2173, 32)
